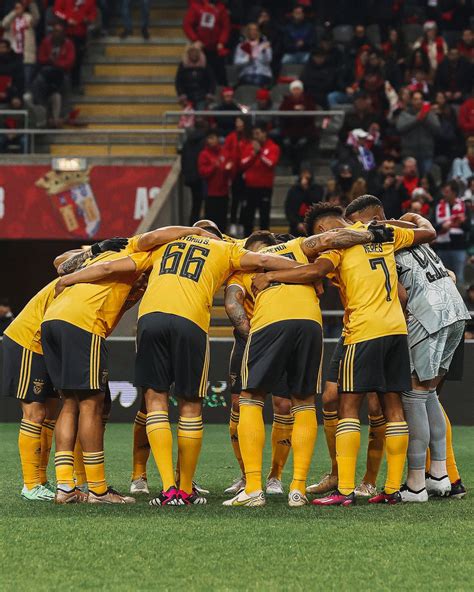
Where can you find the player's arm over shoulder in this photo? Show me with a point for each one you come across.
(423, 233)
(160, 236)
(339, 238)
(99, 271)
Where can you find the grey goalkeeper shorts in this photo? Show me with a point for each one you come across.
(431, 355)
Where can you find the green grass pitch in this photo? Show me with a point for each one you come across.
(414, 547)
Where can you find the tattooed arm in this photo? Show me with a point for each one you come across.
(234, 307)
(72, 263)
(340, 238)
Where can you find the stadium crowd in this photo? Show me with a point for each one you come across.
(403, 74)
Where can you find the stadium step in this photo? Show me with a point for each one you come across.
(141, 49)
(134, 70)
(124, 89)
(123, 109)
(110, 149)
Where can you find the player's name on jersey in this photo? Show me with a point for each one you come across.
(197, 239)
(373, 248)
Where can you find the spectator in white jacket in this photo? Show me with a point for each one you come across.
(254, 55)
(463, 168)
(19, 25)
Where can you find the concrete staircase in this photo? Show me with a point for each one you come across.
(129, 84)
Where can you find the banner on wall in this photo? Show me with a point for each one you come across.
(37, 202)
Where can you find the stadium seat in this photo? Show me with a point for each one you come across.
(277, 93)
(452, 37)
(232, 72)
(294, 70)
(245, 94)
(412, 32)
(373, 34)
(343, 34)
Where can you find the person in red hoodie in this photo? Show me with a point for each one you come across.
(258, 163)
(466, 117)
(235, 144)
(207, 24)
(78, 15)
(56, 57)
(298, 133)
(215, 166)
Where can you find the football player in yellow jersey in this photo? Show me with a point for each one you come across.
(285, 338)
(73, 337)
(330, 401)
(239, 306)
(375, 356)
(172, 344)
(25, 377)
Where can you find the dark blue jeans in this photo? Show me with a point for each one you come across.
(127, 16)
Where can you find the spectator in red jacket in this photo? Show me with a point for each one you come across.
(207, 24)
(297, 132)
(236, 143)
(258, 163)
(466, 117)
(78, 15)
(215, 166)
(56, 57)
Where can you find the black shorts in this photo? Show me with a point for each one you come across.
(24, 374)
(172, 350)
(293, 347)
(381, 365)
(236, 357)
(76, 359)
(335, 362)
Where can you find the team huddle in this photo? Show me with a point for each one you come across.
(404, 320)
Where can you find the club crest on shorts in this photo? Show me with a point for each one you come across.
(38, 386)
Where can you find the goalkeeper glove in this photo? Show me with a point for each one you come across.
(111, 244)
(381, 233)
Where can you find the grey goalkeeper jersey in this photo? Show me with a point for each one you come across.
(433, 299)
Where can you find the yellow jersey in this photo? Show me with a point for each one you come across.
(367, 276)
(185, 276)
(283, 302)
(26, 327)
(97, 307)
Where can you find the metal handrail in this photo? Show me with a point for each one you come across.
(85, 131)
(274, 112)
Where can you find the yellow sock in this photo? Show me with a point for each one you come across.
(347, 449)
(47, 431)
(80, 476)
(95, 471)
(330, 426)
(158, 430)
(234, 438)
(29, 445)
(305, 430)
(375, 448)
(451, 465)
(141, 447)
(252, 440)
(189, 445)
(64, 465)
(282, 429)
(396, 444)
